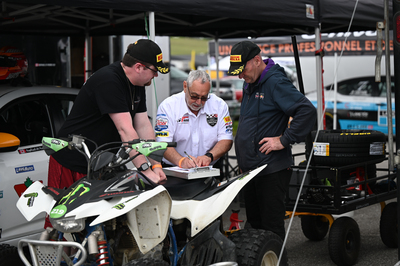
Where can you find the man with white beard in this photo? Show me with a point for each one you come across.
(198, 121)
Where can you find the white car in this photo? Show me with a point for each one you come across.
(28, 114)
(360, 102)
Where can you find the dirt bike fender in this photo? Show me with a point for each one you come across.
(34, 201)
(148, 215)
(149, 221)
(202, 213)
(122, 205)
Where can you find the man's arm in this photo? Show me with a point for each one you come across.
(174, 157)
(123, 123)
(145, 130)
(143, 126)
(304, 116)
(222, 147)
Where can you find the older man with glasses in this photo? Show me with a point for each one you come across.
(198, 121)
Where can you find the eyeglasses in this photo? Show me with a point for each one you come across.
(195, 98)
(154, 71)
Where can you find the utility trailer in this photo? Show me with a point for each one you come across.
(329, 193)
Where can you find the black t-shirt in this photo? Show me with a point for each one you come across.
(107, 91)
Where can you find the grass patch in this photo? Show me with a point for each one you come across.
(235, 126)
(185, 46)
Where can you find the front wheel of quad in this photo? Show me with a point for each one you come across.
(258, 247)
(147, 262)
(9, 256)
(344, 241)
(388, 225)
(314, 228)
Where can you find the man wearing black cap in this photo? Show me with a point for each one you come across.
(263, 135)
(111, 106)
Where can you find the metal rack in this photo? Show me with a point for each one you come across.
(329, 191)
(340, 196)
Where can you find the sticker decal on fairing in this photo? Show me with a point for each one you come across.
(23, 169)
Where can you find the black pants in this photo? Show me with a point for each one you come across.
(264, 199)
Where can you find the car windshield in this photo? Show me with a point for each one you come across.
(363, 87)
(178, 74)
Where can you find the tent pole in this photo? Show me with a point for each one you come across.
(298, 67)
(217, 63)
(153, 106)
(111, 49)
(388, 86)
(69, 81)
(152, 26)
(88, 55)
(396, 55)
(320, 89)
(335, 98)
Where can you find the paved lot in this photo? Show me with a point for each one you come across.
(302, 252)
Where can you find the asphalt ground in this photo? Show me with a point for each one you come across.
(302, 251)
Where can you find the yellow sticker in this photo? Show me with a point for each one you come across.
(159, 57)
(162, 134)
(163, 69)
(236, 58)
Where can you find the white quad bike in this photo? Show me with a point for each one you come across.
(118, 216)
(103, 218)
(196, 231)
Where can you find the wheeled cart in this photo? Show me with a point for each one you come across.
(329, 191)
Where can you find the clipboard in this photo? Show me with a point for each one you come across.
(191, 173)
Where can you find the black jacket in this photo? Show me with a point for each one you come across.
(266, 108)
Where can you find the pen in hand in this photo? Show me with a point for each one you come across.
(190, 158)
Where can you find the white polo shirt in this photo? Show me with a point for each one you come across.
(194, 134)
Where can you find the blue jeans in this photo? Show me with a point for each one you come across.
(264, 199)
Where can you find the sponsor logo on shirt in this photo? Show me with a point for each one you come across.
(212, 119)
(161, 122)
(227, 119)
(162, 134)
(259, 95)
(184, 119)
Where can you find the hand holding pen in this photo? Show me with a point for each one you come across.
(191, 163)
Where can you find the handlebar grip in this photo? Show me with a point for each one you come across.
(171, 144)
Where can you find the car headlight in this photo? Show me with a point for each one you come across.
(68, 225)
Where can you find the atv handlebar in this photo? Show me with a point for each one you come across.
(171, 144)
(148, 148)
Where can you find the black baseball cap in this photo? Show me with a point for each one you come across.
(149, 52)
(240, 54)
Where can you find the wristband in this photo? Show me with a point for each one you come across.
(180, 162)
(156, 166)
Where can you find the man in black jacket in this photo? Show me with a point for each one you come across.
(263, 135)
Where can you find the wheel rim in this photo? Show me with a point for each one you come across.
(320, 223)
(350, 242)
(269, 259)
